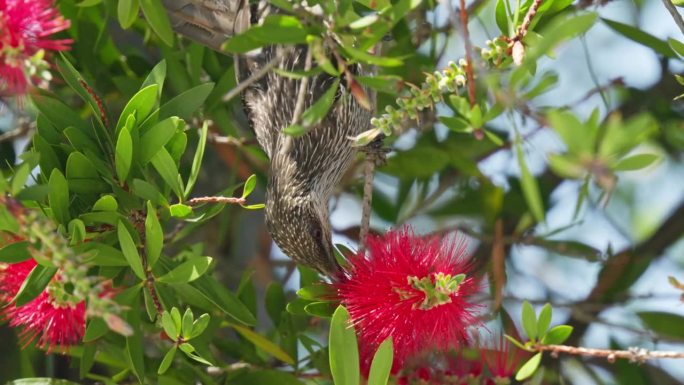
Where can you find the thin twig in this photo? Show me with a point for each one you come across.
(470, 77)
(522, 31)
(215, 199)
(23, 129)
(301, 93)
(633, 354)
(257, 75)
(675, 14)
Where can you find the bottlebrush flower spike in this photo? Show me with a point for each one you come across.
(56, 325)
(26, 26)
(414, 289)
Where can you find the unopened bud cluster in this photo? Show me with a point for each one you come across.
(432, 91)
(495, 51)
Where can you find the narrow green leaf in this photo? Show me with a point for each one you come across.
(544, 320)
(343, 349)
(529, 186)
(663, 323)
(264, 344)
(96, 328)
(19, 178)
(366, 57)
(169, 326)
(189, 350)
(124, 154)
(197, 159)
(635, 162)
(180, 210)
(134, 342)
(34, 284)
(275, 301)
(127, 12)
(130, 251)
(199, 326)
(250, 183)
(106, 203)
(187, 271)
(676, 46)
(177, 319)
(167, 361)
(529, 320)
(159, 21)
(155, 138)
(15, 252)
(58, 196)
(141, 104)
(319, 110)
(641, 37)
(154, 236)
(167, 169)
(186, 326)
(557, 335)
(186, 103)
(528, 369)
(382, 363)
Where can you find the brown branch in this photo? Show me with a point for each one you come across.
(675, 14)
(633, 354)
(257, 75)
(367, 200)
(522, 31)
(213, 199)
(23, 129)
(470, 77)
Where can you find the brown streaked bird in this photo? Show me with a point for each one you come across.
(304, 170)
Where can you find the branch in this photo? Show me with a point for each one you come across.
(367, 200)
(633, 354)
(675, 14)
(280, 53)
(213, 199)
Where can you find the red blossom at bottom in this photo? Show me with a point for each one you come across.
(55, 326)
(414, 289)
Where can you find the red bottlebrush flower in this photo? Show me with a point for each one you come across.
(413, 289)
(56, 325)
(502, 360)
(26, 26)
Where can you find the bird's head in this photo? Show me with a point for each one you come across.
(299, 225)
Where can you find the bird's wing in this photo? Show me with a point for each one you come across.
(209, 22)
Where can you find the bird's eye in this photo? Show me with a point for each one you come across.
(317, 233)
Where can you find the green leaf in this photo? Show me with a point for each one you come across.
(140, 105)
(124, 154)
(557, 335)
(34, 284)
(529, 320)
(529, 186)
(130, 251)
(197, 160)
(316, 292)
(368, 58)
(78, 84)
(77, 231)
(635, 162)
(159, 21)
(223, 299)
(295, 130)
(96, 328)
(320, 109)
(106, 203)
(176, 318)
(502, 17)
(15, 252)
(186, 103)
(250, 183)
(19, 178)
(154, 236)
(187, 271)
(180, 210)
(664, 323)
(127, 12)
(58, 196)
(189, 351)
(186, 326)
(528, 369)
(199, 326)
(276, 29)
(544, 320)
(676, 46)
(641, 37)
(166, 167)
(168, 360)
(382, 363)
(169, 326)
(156, 76)
(275, 301)
(343, 349)
(320, 309)
(264, 344)
(155, 138)
(456, 124)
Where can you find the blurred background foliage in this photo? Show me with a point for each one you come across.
(541, 177)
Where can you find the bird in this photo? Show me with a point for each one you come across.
(304, 171)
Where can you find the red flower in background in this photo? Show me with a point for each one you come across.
(26, 26)
(56, 325)
(502, 360)
(413, 289)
